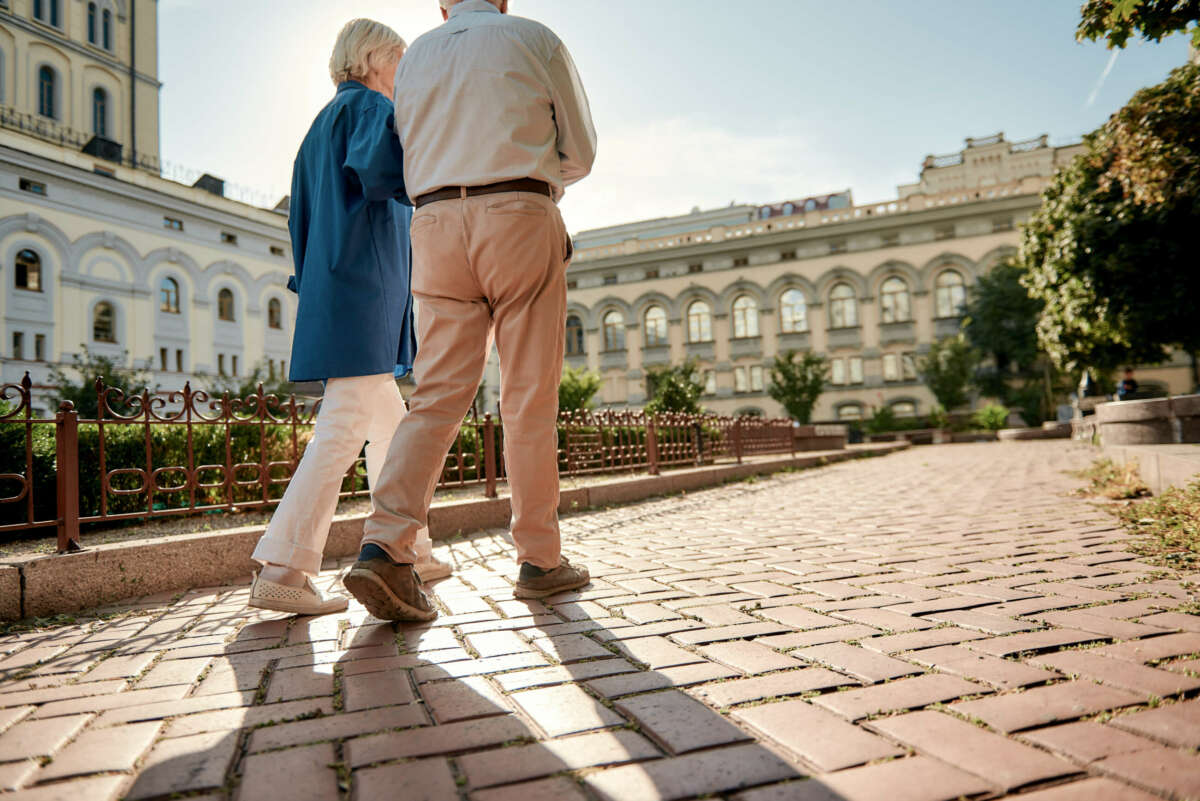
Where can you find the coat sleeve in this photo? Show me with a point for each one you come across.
(374, 158)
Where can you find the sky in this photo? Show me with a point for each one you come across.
(696, 102)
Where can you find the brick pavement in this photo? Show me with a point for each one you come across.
(939, 623)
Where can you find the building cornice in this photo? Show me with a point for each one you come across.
(52, 33)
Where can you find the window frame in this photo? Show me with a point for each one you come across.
(895, 305)
(950, 297)
(37, 271)
(613, 330)
(168, 298)
(275, 314)
(660, 325)
(787, 312)
(699, 324)
(47, 92)
(100, 112)
(112, 322)
(843, 311)
(582, 349)
(223, 293)
(745, 318)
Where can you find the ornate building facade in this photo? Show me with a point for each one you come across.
(96, 248)
(870, 286)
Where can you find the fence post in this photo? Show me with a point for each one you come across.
(652, 445)
(737, 438)
(66, 441)
(489, 455)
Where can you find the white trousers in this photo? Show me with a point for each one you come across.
(353, 411)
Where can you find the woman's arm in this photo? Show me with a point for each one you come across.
(373, 155)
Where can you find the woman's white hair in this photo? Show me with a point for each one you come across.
(359, 46)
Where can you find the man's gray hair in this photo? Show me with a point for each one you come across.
(446, 4)
(359, 46)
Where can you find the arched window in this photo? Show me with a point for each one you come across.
(574, 336)
(789, 208)
(100, 112)
(614, 331)
(793, 312)
(47, 92)
(745, 317)
(274, 313)
(107, 29)
(46, 11)
(168, 293)
(893, 301)
(843, 307)
(656, 326)
(699, 317)
(91, 23)
(225, 305)
(104, 323)
(850, 411)
(28, 271)
(904, 408)
(951, 294)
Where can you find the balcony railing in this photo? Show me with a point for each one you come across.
(156, 454)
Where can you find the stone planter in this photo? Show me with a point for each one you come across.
(1143, 422)
(1186, 409)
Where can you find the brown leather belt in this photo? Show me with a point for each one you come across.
(451, 192)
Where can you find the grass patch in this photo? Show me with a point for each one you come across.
(1168, 527)
(1110, 480)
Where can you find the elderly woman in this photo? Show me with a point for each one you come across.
(354, 327)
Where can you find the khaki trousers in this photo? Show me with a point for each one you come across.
(353, 410)
(483, 266)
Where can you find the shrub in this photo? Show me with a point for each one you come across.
(991, 418)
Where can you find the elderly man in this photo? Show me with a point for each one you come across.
(494, 123)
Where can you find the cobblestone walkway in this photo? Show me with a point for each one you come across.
(939, 623)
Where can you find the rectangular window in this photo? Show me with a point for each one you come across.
(741, 261)
(710, 382)
(33, 187)
(837, 373)
(856, 370)
(908, 367)
(740, 382)
(220, 364)
(18, 350)
(572, 284)
(234, 360)
(179, 361)
(105, 171)
(695, 268)
(271, 369)
(651, 274)
(609, 280)
(162, 359)
(39, 347)
(838, 246)
(756, 378)
(228, 238)
(945, 232)
(891, 367)
(1002, 225)
(787, 255)
(276, 250)
(172, 223)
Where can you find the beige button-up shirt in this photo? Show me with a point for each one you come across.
(490, 97)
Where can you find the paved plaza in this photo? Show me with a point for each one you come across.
(943, 622)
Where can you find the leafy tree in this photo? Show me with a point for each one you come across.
(1117, 20)
(1111, 251)
(948, 369)
(1001, 318)
(797, 383)
(675, 389)
(884, 419)
(247, 385)
(79, 385)
(577, 389)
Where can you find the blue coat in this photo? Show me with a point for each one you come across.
(350, 243)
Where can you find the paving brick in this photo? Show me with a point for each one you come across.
(910, 641)
(111, 701)
(478, 667)
(711, 772)
(885, 619)
(1042, 706)
(656, 652)
(294, 683)
(247, 717)
(792, 724)
(164, 709)
(422, 780)
(775, 685)
(565, 709)
(980, 667)
(370, 690)
(902, 694)
(738, 631)
(175, 671)
(14, 775)
(570, 648)
(102, 751)
(983, 621)
(225, 678)
(1002, 762)
(1164, 770)
(750, 658)
(524, 762)
(331, 727)
(555, 788)
(497, 643)
(1049, 639)
(720, 615)
(102, 788)
(804, 639)
(462, 699)
(914, 779)
(858, 662)
(451, 738)
(1119, 673)
(544, 677)
(1176, 724)
(1173, 620)
(1095, 789)
(120, 667)
(1084, 620)
(679, 722)
(185, 764)
(648, 680)
(297, 774)
(1153, 648)
(34, 738)
(61, 693)
(1086, 741)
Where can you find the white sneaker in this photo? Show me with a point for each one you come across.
(433, 570)
(306, 600)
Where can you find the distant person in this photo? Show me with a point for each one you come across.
(494, 123)
(1128, 387)
(354, 327)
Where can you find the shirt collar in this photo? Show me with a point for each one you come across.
(468, 6)
(346, 85)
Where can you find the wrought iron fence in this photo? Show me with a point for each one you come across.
(155, 454)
